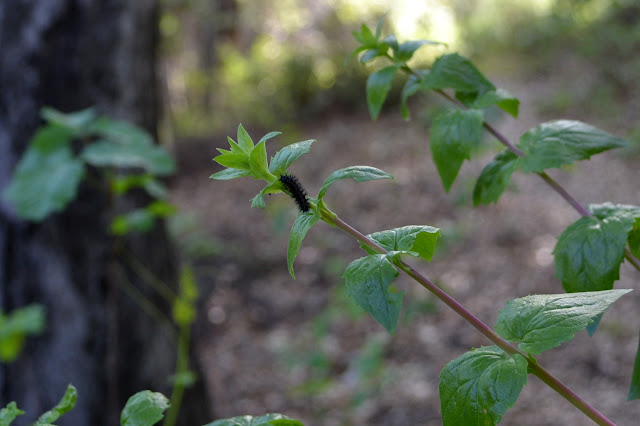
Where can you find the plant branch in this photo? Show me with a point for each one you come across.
(582, 211)
(534, 367)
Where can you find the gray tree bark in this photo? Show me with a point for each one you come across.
(72, 54)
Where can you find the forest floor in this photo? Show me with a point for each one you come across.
(269, 343)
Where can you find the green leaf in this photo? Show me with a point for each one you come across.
(478, 387)
(234, 161)
(130, 153)
(287, 155)
(452, 137)
(626, 213)
(67, 403)
(121, 132)
(258, 162)
(138, 220)
(301, 226)
(634, 239)
(47, 176)
(267, 419)
(367, 280)
(501, 98)
(378, 86)
(634, 388)
(79, 121)
(365, 36)
(495, 178)
(269, 136)
(557, 143)
(244, 140)
(417, 240)
(145, 408)
(544, 321)
(14, 327)
(228, 174)
(357, 173)
(452, 71)
(589, 253)
(9, 413)
(413, 85)
(405, 51)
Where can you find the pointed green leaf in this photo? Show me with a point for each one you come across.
(634, 388)
(452, 137)
(501, 98)
(244, 140)
(287, 155)
(258, 201)
(234, 161)
(495, 178)
(301, 226)
(67, 402)
(379, 27)
(258, 162)
(357, 173)
(269, 136)
(589, 253)
(235, 148)
(145, 408)
(378, 86)
(405, 51)
(367, 280)
(273, 419)
(371, 54)
(417, 240)
(389, 41)
(452, 71)
(477, 388)
(557, 143)
(228, 174)
(544, 321)
(9, 413)
(47, 176)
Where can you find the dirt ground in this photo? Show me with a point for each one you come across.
(269, 343)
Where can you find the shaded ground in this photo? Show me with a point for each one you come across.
(273, 344)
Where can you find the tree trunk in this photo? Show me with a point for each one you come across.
(72, 54)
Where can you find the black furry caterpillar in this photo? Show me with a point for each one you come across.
(296, 191)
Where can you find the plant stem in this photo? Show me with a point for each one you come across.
(182, 368)
(534, 367)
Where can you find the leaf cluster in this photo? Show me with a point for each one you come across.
(145, 408)
(49, 173)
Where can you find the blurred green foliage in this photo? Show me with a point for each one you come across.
(273, 63)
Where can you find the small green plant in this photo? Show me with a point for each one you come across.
(476, 388)
(145, 408)
(46, 180)
(50, 171)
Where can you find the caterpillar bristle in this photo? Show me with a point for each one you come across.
(296, 191)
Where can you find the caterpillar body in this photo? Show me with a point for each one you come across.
(294, 189)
